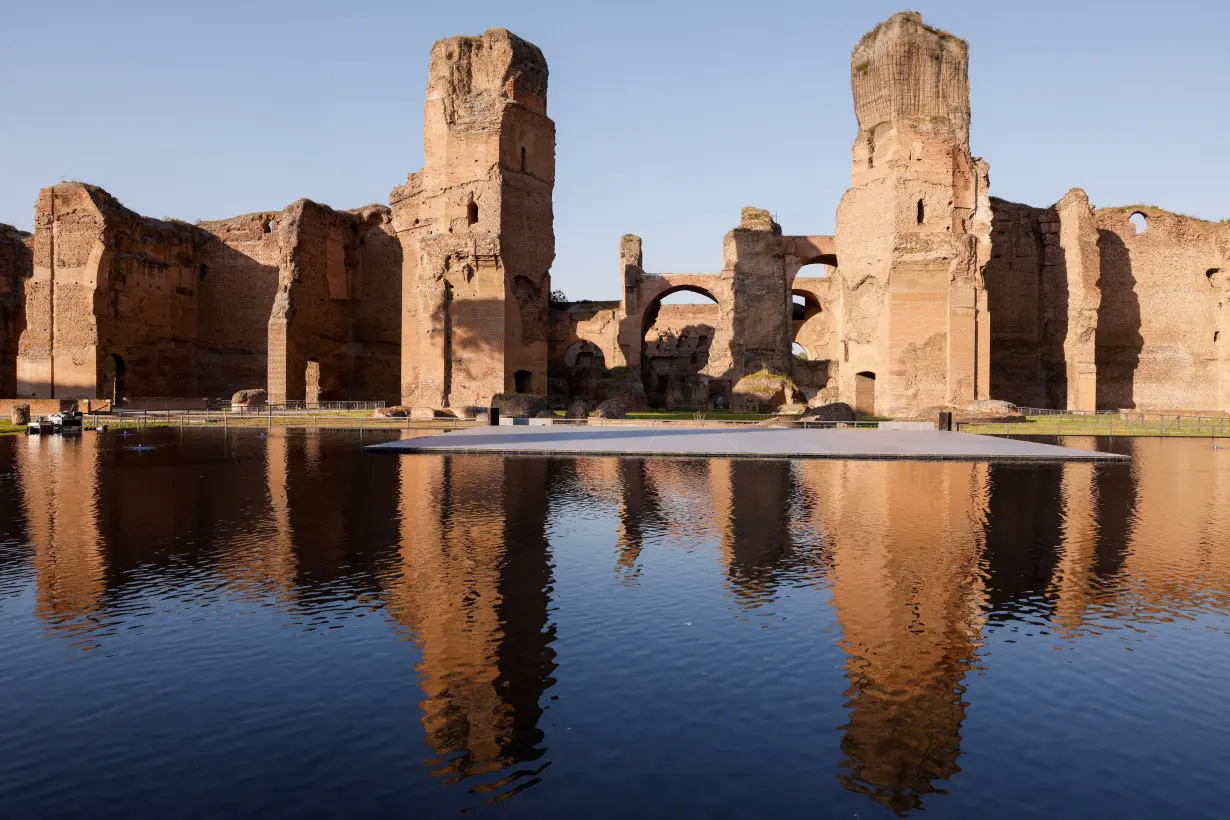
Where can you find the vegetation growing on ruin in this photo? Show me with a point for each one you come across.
(938, 32)
(766, 374)
(709, 415)
(862, 67)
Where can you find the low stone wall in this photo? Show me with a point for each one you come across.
(38, 407)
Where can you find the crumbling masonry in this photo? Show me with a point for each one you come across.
(930, 294)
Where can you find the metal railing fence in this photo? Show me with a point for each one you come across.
(1106, 424)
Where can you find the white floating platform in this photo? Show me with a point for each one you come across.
(758, 442)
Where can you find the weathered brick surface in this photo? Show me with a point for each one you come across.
(475, 226)
(15, 268)
(930, 293)
(913, 230)
(171, 310)
(1162, 320)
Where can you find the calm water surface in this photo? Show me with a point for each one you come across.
(290, 626)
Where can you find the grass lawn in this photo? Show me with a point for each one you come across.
(708, 415)
(7, 427)
(1106, 425)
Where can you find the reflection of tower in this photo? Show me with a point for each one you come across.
(757, 542)
(1023, 527)
(59, 487)
(907, 593)
(638, 512)
(473, 586)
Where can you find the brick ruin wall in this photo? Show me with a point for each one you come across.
(1043, 296)
(676, 352)
(237, 270)
(1088, 314)
(122, 289)
(16, 265)
(155, 308)
(913, 229)
(942, 295)
(328, 339)
(1162, 323)
(475, 226)
(754, 260)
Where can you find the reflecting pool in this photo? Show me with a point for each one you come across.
(281, 623)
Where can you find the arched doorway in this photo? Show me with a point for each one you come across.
(865, 393)
(584, 362)
(114, 372)
(811, 338)
(677, 334)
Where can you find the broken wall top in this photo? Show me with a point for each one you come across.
(475, 77)
(905, 72)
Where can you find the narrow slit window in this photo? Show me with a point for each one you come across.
(921, 212)
(524, 165)
(472, 212)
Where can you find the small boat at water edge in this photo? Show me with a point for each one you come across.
(67, 422)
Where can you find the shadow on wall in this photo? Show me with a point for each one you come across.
(1053, 331)
(16, 261)
(1028, 302)
(1119, 342)
(235, 294)
(671, 368)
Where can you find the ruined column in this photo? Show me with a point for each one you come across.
(913, 230)
(631, 271)
(753, 258)
(1078, 245)
(476, 224)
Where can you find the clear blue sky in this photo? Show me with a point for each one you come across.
(670, 116)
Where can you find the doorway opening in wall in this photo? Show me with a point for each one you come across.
(114, 372)
(583, 366)
(311, 382)
(921, 212)
(865, 393)
(678, 327)
(472, 212)
(811, 336)
(523, 381)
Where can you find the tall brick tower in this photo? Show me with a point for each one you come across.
(475, 226)
(913, 231)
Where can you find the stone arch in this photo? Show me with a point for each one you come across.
(805, 251)
(673, 365)
(585, 363)
(812, 327)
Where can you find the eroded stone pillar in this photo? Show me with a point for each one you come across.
(913, 230)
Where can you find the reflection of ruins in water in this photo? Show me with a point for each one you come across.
(922, 561)
(473, 587)
(904, 542)
(58, 477)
